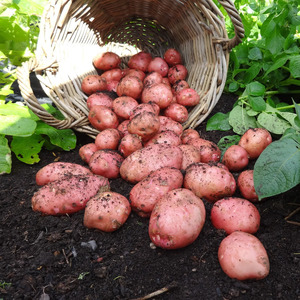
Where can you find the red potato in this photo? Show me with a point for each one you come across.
(92, 84)
(159, 65)
(124, 105)
(152, 79)
(58, 170)
(138, 73)
(146, 125)
(189, 134)
(112, 86)
(144, 195)
(107, 61)
(172, 57)
(232, 214)
(68, 195)
(123, 128)
(165, 137)
(211, 182)
(141, 163)
(242, 256)
(190, 155)
(159, 94)
(188, 97)
(177, 112)
(177, 219)
(129, 144)
(255, 140)
(179, 85)
(112, 75)
(106, 163)
(177, 72)
(102, 117)
(245, 184)
(209, 151)
(99, 98)
(130, 86)
(167, 123)
(150, 107)
(106, 211)
(140, 61)
(108, 139)
(235, 158)
(86, 151)
(166, 81)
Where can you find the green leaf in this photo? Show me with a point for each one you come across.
(255, 54)
(274, 40)
(233, 87)
(27, 149)
(63, 138)
(17, 110)
(240, 121)
(252, 72)
(227, 141)
(276, 65)
(273, 123)
(294, 66)
(257, 103)
(16, 126)
(32, 7)
(255, 89)
(5, 156)
(219, 121)
(277, 169)
(297, 108)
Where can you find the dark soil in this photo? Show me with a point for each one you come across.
(46, 257)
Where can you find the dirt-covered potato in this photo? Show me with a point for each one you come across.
(159, 65)
(86, 151)
(129, 144)
(190, 155)
(188, 97)
(102, 117)
(189, 134)
(235, 158)
(167, 123)
(99, 98)
(245, 184)
(108, 139)
(130, 86)
(172, 57)
(177, 72)
(123, 106)
(165, 137)
(106, 61)
(177, 112)
(140, 61)
(92, 84)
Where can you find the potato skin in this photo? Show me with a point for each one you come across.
(123, 106)
(68, 194)
(130, 86)
(187, 97)
(189, 134)
(106, 61)
(165, 137)
(245, 184)
(129, 144)
(159, 65)
(58, 170)
(177, 112)
(177, 219)
(243, 256)
(101, 117)
(106, 211)
(177, 72)
(144, 195)
(141, 163)
(211, 182)
(190, 155)
(167, 123)
(92, 84)
(108, 139)
(172, 57)
(232, 213)
(140, 61)
(86, 151)
(235, 158)
(99, 98)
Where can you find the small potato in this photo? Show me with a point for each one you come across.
(159, 65)
(165, 137)
(145, 124)
(108, 139)
(92, 84)
(68, 195)
(138, 73)
(106, 211)
(144, 195)
(209, 151)
(190, 155)
(177, 112)
(86, 151)
(159, 93)
(142, 162)
(177, 72)
(123, 106)
(106, 163)
(129, 144)
(58, 170)
(152, 79)
(150, 107)
(172, 57)
(179, 85)
(140, 61)
(245, 184)
(107, 61)
(235, 158)
(177, 219)
(123, 128)
(210, 182)
(188, 97)
(232, 214)
(189, 134)
(100, 98)
(167, 123)
(255, 140)
(242, 256)
(112, 75)
(130, 86)
(101, 117)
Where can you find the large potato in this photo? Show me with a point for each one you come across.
(141, 163)
(211, 182)
(146, 193)
(68, 194)
(58, 170)
(177, 219)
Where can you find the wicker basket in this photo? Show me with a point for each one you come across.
(73, 32)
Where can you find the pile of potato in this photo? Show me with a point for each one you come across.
(172, 170)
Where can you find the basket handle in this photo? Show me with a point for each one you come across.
(237, 23)
(23, 73)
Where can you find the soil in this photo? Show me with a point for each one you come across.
(47, 257)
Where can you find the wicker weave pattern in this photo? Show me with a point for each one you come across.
(73, 32)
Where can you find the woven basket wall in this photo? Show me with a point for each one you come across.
(73, 32)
